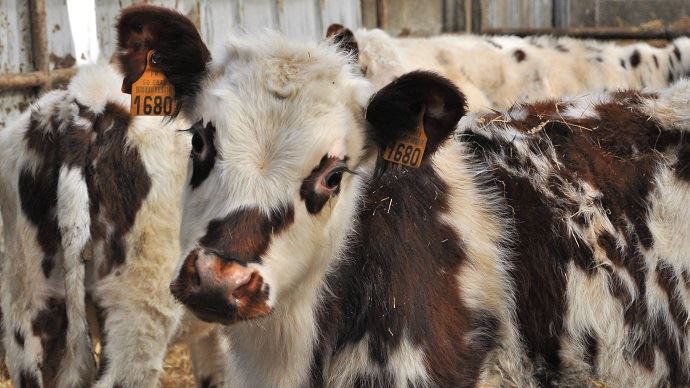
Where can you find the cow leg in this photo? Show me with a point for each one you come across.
(74, 224)
(209, 356)
(138, 316)
(34, 312)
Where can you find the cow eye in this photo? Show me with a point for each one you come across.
(332, 180)
(197, 143)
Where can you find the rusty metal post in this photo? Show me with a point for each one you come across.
(468, 16)
(382, 14)
(39, 40)
(35, 79)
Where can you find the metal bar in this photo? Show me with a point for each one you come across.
(39, 39)
(468, 16)
(381, 14)
(34, 79)
(606, 33)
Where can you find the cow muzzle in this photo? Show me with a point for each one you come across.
(220, 290)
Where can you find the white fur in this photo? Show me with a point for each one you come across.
(142, 316)
(278, 107)
(492, 77)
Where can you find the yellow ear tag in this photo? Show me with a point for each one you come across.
(152, 94)
(409, 149)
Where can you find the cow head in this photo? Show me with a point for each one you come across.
(374, 52)
(178, 49)
(283, 145)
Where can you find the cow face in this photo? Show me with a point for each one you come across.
(279, 155)
(271, 175)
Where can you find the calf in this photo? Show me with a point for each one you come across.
(547, 245)
(90, 199)
(496, 71)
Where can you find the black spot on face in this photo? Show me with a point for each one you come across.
(244, 235)
(622, 61)
(635, 59)
(519, 55)
(203, 153)
(656, 61)
(562, 48)
(322, 183)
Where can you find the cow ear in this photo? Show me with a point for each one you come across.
(178, 49)
(414, 101)
(344, 39)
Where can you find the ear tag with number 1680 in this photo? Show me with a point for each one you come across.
(152, 93)
(409, 149)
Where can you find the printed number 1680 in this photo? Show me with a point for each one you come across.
(157, 105)
(405, 154)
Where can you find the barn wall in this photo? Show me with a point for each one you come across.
(15, 55)
(215, 19)
(304, 19)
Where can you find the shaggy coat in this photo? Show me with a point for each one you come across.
(497, 71)
(546, 245)
(90, 199)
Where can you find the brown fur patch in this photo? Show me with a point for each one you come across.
(311, 193)
(203, 152)
(616, 154)
(669, 283)
(182, 55)
(344, 39)
(635, 59)
(244, 235)
(50, 325)
(28, 380)
(385, 289)
(118, 184)
(519, 55)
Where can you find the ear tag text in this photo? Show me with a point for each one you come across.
(152, 93)
(409, 149)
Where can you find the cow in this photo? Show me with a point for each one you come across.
(90, 198)
(545, 245)
(497, 71)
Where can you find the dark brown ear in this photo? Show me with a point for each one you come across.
(179, 51)
(344, 39)
(397, 109)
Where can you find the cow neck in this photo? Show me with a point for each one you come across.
(288, 336)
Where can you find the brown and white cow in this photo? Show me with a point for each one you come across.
(548, 245)
(90, 198)
(497, 71)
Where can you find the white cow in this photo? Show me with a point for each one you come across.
(90, 199)
(546, 245)
(497, 71)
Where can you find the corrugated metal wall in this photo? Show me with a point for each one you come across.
(215, 19)
(94, 19)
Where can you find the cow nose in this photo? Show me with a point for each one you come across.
(213, 272)
(220, 290)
